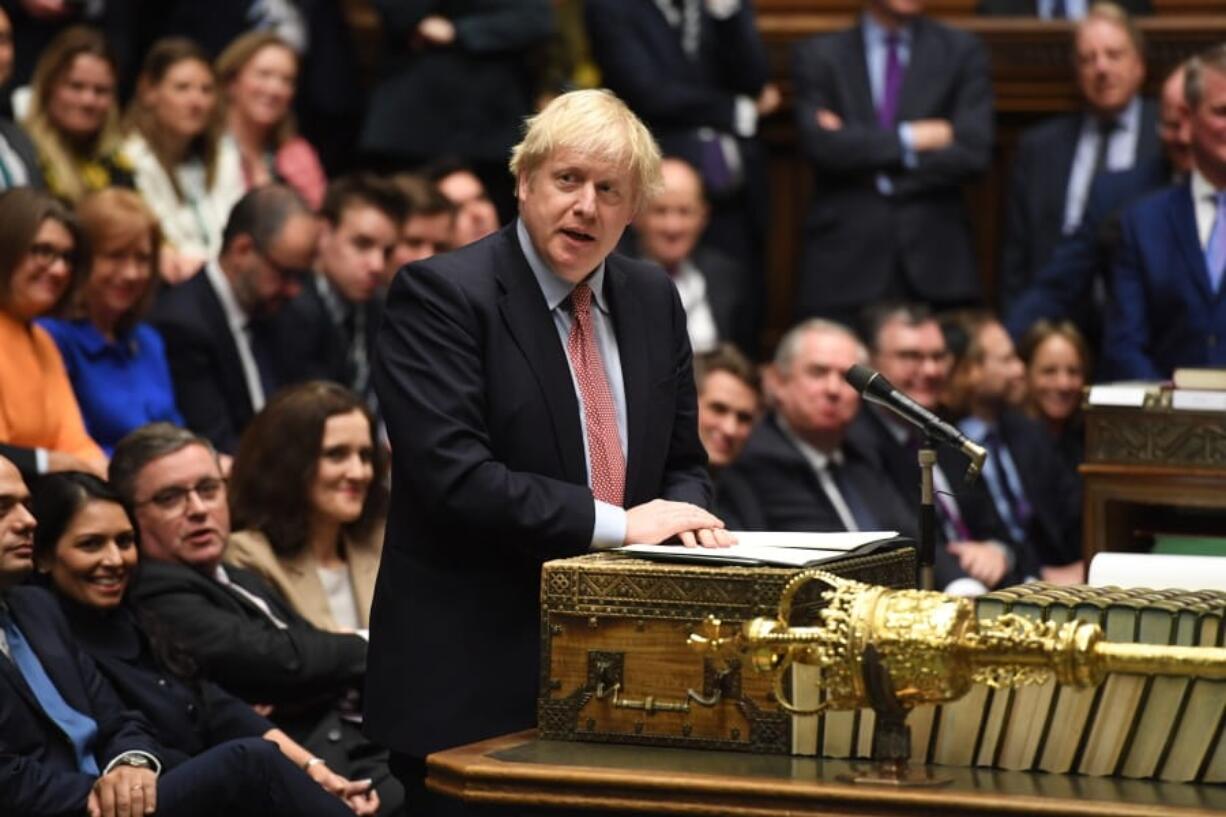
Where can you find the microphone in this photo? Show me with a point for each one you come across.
(873, 386)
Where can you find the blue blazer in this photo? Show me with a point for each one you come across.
(38, 769)
(1163, 313)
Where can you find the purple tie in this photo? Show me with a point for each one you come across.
(892, 87)
(1215, 251)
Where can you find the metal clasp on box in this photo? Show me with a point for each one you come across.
(605, 674)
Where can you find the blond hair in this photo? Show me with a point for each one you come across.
(59, 154)
(118, 215)
(231, 62)
(593, 123)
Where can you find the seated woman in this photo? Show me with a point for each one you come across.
(258, 74)
(74, 116)
(117, 365)
(190, 176)
(85, 552)
(39, 416)
(307, 494)
(1057, 359)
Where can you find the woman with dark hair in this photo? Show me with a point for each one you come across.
(74, 115)
(308, 497)
(258, 74)
(40, 247)
(85, 550)
(1057, 359)
(116, 363)
(190, 176)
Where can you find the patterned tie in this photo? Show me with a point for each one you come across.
(81, 730)
(1215, 250)
(606, 464)
(891, 88)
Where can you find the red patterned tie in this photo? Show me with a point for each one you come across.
(608, 467)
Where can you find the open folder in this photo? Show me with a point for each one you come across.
(776, 548)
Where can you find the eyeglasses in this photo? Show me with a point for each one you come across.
(173, 499)
(47, 254)
(287, 274)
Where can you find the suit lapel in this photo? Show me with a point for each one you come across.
(636, 366)
(214, 315)
(1182, 216)
(9, 671)
(527, 317)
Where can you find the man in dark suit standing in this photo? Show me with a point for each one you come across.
(1054, 9)
(328, 330)
(697, 73)
(895, 114)
(220, 343)
(710, 283)
(1166, 307)
(539, 396)
(1073, 283)
(1058, 159)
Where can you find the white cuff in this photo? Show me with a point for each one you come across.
(609, 530)
(118, 760)
(910, 158)
(966, 586)
(745, 117)
(40, 460)
(723, 9)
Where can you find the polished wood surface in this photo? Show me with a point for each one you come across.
(518, 772)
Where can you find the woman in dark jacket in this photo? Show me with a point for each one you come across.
(85, 550)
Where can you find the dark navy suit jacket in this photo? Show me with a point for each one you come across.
(1064, 287)
(1163, 313)
(38, 768)
(490, 478)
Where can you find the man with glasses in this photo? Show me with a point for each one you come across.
(907, 346)
(238, 630)
(220, 341)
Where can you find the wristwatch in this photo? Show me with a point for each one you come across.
(135, 760)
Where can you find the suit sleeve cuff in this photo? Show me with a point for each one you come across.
(609, 531)
(745, 117)
(910, 158)
(118, 759)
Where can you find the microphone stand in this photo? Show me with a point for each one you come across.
(927, 514)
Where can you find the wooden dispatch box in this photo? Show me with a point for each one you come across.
(615, 666)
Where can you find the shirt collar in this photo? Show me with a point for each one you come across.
(875, 33)
(975, 428)
(1128, 120)
(556, 289)
(817, 458)
(235, 315)
(1201, 188)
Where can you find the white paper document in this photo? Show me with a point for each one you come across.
(769, 547)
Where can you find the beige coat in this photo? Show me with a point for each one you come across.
(295, 577)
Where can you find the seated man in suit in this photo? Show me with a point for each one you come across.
(1058, 159)
(806, 474)
(973, 552)
(729, 403)
(220, 341)
(1023, 478)
(709, 282)
(238, 630)
(428, 227)
(894, 115)
(1073, 284)
(68, 746)
(327, 331)
(1166, 307)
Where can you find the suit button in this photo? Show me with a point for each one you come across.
(191, 710)
(161, 682)
(334, 735)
